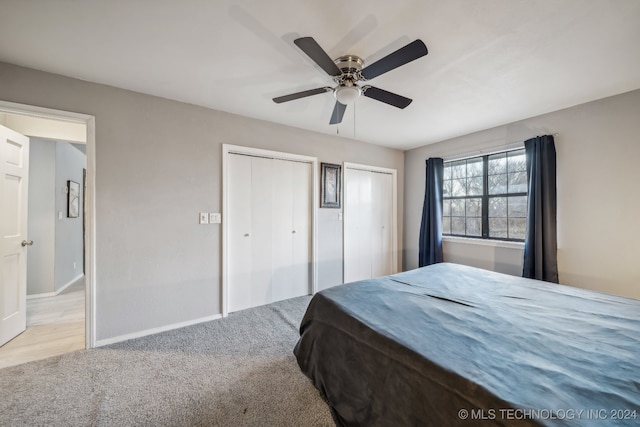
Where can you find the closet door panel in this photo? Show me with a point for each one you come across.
(381, 228)
(261, 224)
(239, 229)
(301, 232)
(357, 225)
(385, 186)
(282, 219)
(377, 225)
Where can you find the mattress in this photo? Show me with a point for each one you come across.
(454, 345)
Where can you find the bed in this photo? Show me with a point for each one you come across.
(449, 345)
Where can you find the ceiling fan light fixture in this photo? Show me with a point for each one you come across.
(347, 95)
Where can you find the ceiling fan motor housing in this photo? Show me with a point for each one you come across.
(348, 91)
(350, 65)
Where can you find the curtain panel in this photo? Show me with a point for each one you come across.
(541, 246)
(430, 244)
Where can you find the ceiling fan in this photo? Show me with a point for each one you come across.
(347, 71)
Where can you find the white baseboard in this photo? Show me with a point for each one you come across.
(53, 294)
(42, 295)
(152, 331)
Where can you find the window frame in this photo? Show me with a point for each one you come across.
(485, 197)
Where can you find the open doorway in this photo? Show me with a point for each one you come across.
(60, 289)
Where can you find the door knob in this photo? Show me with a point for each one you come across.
(247, 235)
(294, 232)
(27, 243)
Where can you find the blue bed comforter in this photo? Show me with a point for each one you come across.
(455, 345)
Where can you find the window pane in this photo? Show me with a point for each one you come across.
(498, 227)
(446, 225)
(518, 182)
(518, 207)
(517, 227)
(457, 226)
(497, 207)
(465, 192)
(497, 164)
(459, 169)
(474, 186)
(459, 187)
(457, 207)
(497, 184)
(474, 167)
(446, 208)
(474, 207)
(446, 188)
(516, 161)
(474, 226)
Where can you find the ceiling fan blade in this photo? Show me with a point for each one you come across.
(387, 97)
(404, 55)
(303, 94)
(338, 113)
(309, 46)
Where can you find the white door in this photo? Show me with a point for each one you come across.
(14, 173)
(368, 224)
(381, 224)
(301, 230)
(291, 213)
(239, 240)
(269, 230)
(358, 213)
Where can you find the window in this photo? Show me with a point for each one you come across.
(486, 197)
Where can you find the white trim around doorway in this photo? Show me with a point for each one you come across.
(90, 200)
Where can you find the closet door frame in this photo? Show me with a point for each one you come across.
(394, 207)
(228, 149)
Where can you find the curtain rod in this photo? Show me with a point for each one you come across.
(488, 150)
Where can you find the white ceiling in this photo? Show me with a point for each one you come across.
(490, 62)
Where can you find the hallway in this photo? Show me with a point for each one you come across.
(55, 325)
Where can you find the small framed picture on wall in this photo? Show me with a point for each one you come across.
(73, 199)
(331, 185)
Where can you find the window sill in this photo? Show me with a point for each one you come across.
(484, 242)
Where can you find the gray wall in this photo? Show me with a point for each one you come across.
(41, 222)
(158, 163)
(69, 164)
(598, 199)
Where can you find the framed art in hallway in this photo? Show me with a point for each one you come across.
(73, 199)
(331, 185)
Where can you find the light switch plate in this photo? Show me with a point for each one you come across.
(204, 218)
(215, 218)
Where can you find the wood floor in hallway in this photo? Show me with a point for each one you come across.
(55, 325)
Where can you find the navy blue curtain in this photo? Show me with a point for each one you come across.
(541, 244)
(430, 246)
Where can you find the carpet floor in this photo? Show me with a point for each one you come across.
(236, 371)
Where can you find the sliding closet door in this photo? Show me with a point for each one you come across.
(261, 236)
(368, 224)
(291, 215)
(381, 224)
(239, 229)
(301, 232)
(269, 230)
(249, 232)
(281, 227)
(358, 216)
